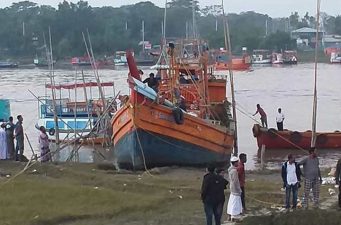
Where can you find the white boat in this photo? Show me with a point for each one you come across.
(277, 58)
(335, 57)
(120, 58)
(261, 57)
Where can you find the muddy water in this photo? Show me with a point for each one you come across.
(288, 87)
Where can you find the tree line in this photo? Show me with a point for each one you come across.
(24, 24)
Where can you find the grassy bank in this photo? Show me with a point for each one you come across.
(83, 194)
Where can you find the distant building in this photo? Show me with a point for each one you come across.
(331, 43)
(306, 37)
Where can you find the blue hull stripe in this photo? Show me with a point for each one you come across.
(161, 150)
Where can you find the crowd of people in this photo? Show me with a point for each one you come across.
(12, 141)
(214, 183)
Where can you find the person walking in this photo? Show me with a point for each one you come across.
(291, 176)
(44, 145)
(234, 206)
(312, 177)
(279, 119)
(19, 136)
(10, 138)
(262, 114)
(241, 177)
(3, 142)
(212, 195)
(337, 179)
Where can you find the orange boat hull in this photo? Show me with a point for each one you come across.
(237, 64)
(273, 139)
(147, 135)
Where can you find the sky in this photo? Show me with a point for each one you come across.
(271, 7)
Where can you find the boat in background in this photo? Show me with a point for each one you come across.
(277, 58)
(287, 139)
(8, 64)
(76, 119)
(335, 57)
(261, 56)
(120, 58)
(81, 61)
(5, 110)
(290, 57)
(187, 122)
(238, 63)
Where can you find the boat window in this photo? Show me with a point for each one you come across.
(77, 125)
(50, 124)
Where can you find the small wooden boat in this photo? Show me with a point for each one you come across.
(152, 130)
(290, 57)
(6, 65)
(287, 139)
(81, 61)
(238, 63)
(335, 57)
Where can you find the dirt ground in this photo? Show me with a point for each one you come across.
(90, 194)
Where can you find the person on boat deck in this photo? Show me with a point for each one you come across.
(152, 82)
(212, 195)
(279, 119)
(241, 177)
(182, 79)
(312, 177)
(291, 176)
(10, 138)
(337, 179)
(234, 206)
(3, 142)
(263, 117)
(182, 104)
(19, 136)
(44, 145)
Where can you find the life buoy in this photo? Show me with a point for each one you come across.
(321, 139)
(272, 133)
(52, 131)
(178, 115)
(295, 137)
(256, 130)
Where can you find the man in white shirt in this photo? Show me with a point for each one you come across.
(280, 119)
(291, 176)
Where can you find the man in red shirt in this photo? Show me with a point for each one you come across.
(241, 177)
(262, 116)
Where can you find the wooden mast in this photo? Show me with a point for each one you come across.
(229, 55)
(313, 135)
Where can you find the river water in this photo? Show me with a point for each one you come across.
(288, 87)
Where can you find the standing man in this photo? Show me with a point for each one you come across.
(280, 119)
(19, 136)
(152, 82)
(3, 142)
(212, 195)
(337, 178)
(10, 138)
(262, 116)
(291, 176)
(312, 177)
(241, 177)
(234, 207)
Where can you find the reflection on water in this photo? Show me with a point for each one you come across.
(288, 87)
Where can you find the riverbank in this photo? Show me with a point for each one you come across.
(89, 194)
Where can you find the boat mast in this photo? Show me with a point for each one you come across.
(49, 54)
(142, 35)
(313, 135)
(229, 54)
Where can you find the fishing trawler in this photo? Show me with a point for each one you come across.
(261, 56)
(186, 121)
(77, 120)
(290, 57)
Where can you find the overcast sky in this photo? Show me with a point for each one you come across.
(273, 8)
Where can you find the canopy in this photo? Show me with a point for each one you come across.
(80, 85)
